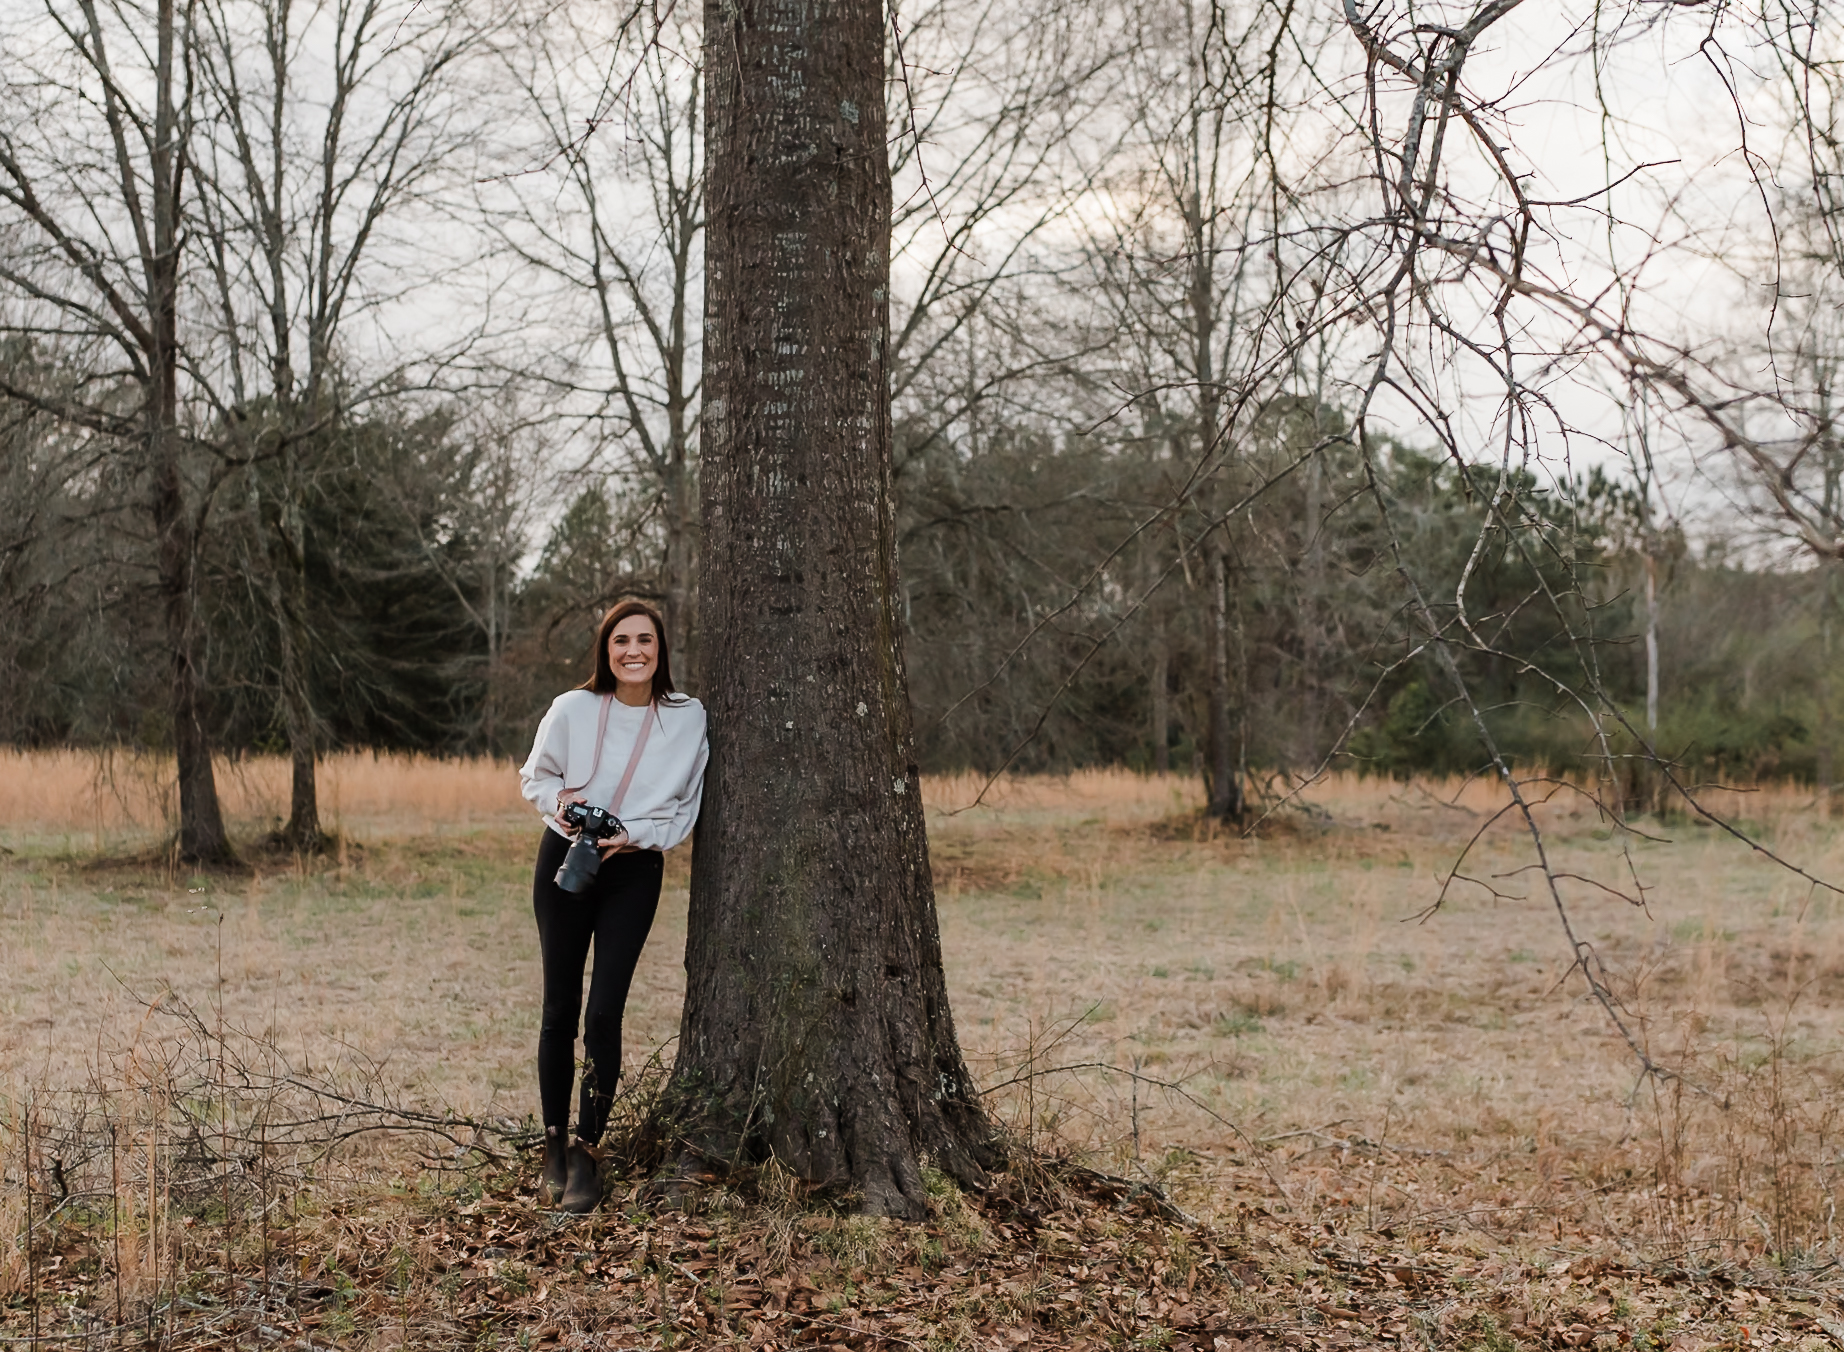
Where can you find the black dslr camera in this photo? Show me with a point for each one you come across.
(593, 825)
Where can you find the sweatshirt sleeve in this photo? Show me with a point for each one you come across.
(541, 777)
(673, 823)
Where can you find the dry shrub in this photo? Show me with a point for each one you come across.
(192, 1151)
(15, 1270)
(1744, 1136)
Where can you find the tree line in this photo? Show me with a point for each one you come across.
(351, 361)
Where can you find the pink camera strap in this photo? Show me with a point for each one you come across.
(633, 759)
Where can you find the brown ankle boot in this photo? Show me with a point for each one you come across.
(556, 1175)
(583, 1191)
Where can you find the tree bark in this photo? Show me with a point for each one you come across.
(816, 1025)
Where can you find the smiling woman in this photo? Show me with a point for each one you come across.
(618, 761)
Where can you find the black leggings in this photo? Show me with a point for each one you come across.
(615, 913)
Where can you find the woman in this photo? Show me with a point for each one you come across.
(627, 742)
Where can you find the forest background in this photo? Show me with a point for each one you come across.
(434, 276)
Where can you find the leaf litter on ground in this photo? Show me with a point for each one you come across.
(1076, 1259)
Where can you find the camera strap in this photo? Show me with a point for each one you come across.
(633, 760)
(601, 733)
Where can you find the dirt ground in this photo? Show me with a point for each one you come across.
(1317, 1029)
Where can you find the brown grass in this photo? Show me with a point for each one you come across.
(1278, 1023)
(100, 800)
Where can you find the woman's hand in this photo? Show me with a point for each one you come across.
(563, 798)
(614, 845)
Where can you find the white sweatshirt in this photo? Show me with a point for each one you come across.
(662, 801)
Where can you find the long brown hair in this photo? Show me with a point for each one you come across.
(602, 679)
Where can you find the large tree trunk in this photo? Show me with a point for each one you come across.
(816, 1023)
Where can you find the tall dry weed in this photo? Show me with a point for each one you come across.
(116, 789)
(1745, 1133)
(94, 795)
(194, 1152)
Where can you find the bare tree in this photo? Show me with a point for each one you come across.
(1454, 274)
(604, 204)
(1186, 259)
(322, 126)
(96, 148)
(1002, 122)
(1804, 480)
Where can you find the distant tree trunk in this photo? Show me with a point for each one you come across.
(1245, 700)
(282, 547)
(1161, 704)
(1225, 800)
(496, 645)
(303, 829)
(1309, 738)
(201, 821)
(202, 838)
(1648, 777)
(1225, 789)
(284, 564)
(1651, 640)
(1827, 686)
(681, 562)
(816, 1024)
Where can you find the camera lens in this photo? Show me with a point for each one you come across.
(579, 867)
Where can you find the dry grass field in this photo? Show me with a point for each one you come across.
(1280, 1032)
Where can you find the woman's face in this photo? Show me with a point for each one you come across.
(633, 650)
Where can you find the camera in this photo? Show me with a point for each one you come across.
(593, 824)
